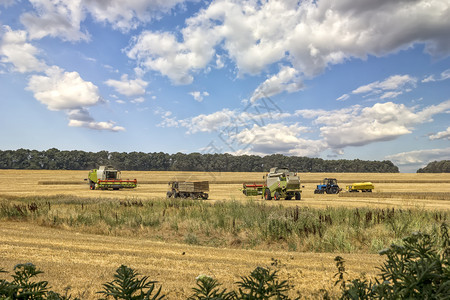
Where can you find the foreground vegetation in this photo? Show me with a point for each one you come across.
(416, 268)
(249, 225)
(54, 159)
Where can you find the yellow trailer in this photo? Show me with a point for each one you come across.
(361, 186)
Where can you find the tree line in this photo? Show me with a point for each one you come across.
(442, 166)
(54, 159)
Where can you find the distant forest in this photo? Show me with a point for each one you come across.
(54, 159)
(442, 166)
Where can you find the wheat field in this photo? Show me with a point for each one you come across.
(227, 185)
(83, 261)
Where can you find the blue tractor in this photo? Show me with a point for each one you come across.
(329, 186)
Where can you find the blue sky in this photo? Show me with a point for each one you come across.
(330, 79)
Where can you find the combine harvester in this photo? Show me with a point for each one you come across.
(279, 183)
(106, 177)
(360, 186)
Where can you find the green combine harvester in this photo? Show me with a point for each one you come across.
(107, 177)
(279, 183)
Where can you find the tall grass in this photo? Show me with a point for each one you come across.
(230, 223)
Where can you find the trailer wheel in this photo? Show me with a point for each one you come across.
(267, 195)
(168, 194)
(298, 196)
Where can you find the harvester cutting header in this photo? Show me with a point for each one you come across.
(107, 177)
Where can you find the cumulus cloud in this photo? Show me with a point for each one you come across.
(311, 35)
(278, 138)
(441, 135)
(226, 120)
(67, 91)
(15, 49)
(163, 53)
(209, 123)
(64, 18)
(287, 80)
(198, 96)
(56, 18)
(128, 87)
(126, 15)
(413, 160)
(358, 126)
(60, 90)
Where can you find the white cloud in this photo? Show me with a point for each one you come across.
(343, 97)
(198, 96)
(168, 119)
(287, 79)
(226, 120)
(109, 126)
(14, 49)
(60, 90)
(209, 123)
(163, 53)
(278, 138)
(357, 126)
(126, 15)
(389, 88)
(311, 35)
(138, 100)
(413, 160)
(443, 76)
(64, 18)
(81, 117)
(128, 87)
(429, 79)
(441, 135)
(67, 91)
(56, 18)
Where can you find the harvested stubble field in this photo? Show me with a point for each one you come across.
(227, 185)
(84, 256)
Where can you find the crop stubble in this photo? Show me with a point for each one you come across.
(227, 185)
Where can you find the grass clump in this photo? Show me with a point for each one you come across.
(229, 223)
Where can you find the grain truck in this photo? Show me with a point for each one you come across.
(107, 177)
(188, 189)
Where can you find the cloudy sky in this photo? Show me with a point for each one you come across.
(332, 79)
